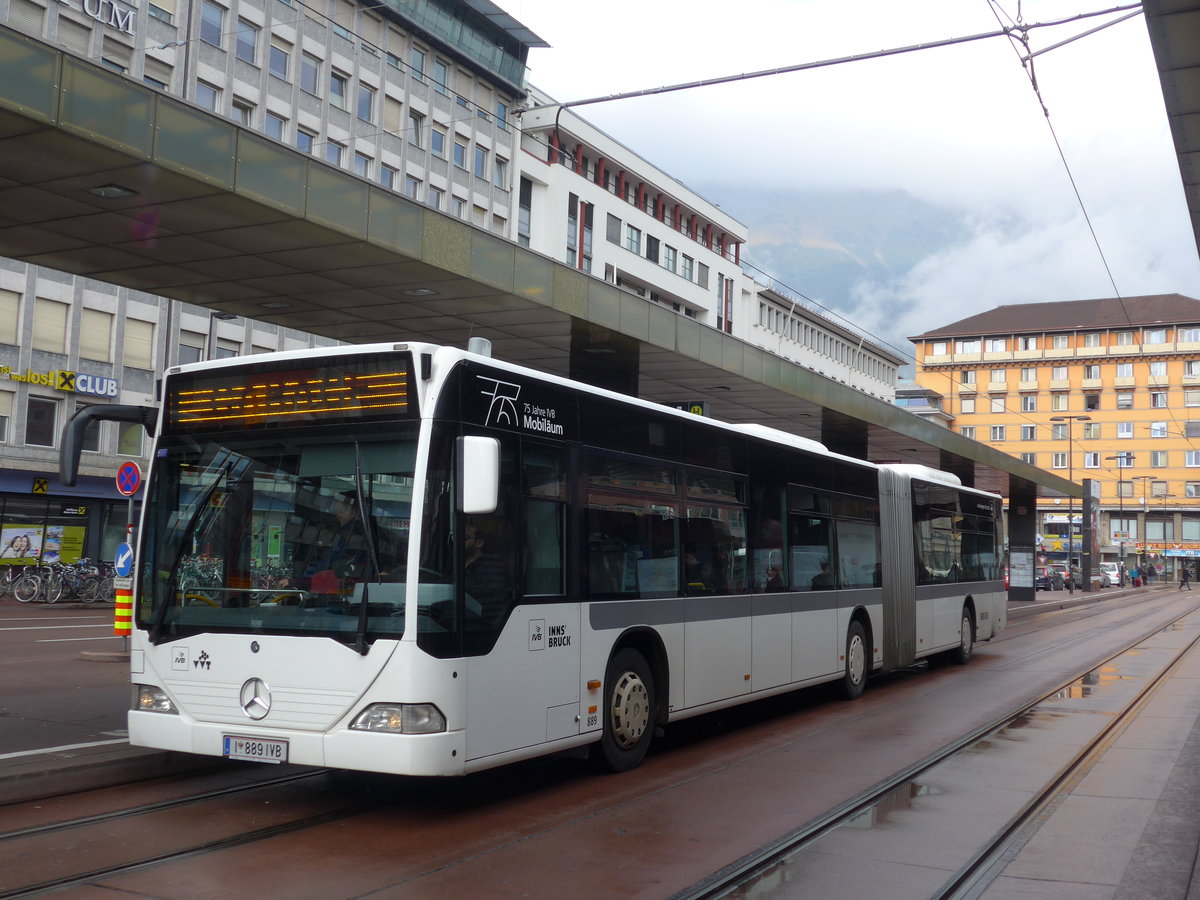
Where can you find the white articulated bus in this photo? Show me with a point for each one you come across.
(414, 559)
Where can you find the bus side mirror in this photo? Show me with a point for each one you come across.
(478, 474)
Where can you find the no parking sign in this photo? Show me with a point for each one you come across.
(129, 478)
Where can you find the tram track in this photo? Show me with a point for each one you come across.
(29, 845)
(989, 857)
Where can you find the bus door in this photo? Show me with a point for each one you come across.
(523, 637)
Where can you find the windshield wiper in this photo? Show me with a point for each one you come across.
(360, 641)
(202, 504)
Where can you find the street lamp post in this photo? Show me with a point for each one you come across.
(1124, 460)
(1070, 497)
(1144, 547)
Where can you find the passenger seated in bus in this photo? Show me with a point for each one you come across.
(823, 580)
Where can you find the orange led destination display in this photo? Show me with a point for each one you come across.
(338, 391)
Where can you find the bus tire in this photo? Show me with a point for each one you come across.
(628, 712)
(854, 680)
(961, 655)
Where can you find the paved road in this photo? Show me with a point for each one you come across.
(51, 696)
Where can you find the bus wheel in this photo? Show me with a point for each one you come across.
(628, 712)
(961, 655)
(854, 682)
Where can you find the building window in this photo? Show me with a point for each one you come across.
(243, 112)
(500, 173)
(416, 63)
(996, 345)
(1029, 403)
(130, 436)
(441, 75)
(460, 207)
(366, 102)
(1091, 460)
(502, 115)
(633, 240)
(1125, 370)
(333, 152)
(481, 157)
(95, 335)
(1124, 460)
(434, 198)
(305, 140)
(412, 186)
(138, 346)
(1124, 338)
(1156, 336)
(1091, 340)
(1059, 342)
(274, 126)
(968, 376)
(1124, 429)
(1058, 460)
(685, 266)
(997, 376)
(50, 325)
(997, 404)
(1158, 399)
(1029, 374)
(1158, 459)
(967, 431)
(1125, 400)
(310, 73)
(669, 258)
(1030, 458)
(246, 44)
(938, 348)
(1191, 489)
(1158, 429)
(41, 422)
(337, 89)
(1091, 371)
(208, 96)
(460, 155)
(416, 122)
(1028, 432)
(279, 58)
(387, 177)
(1058, 373)
(1058, 432)
(362, 165)
(212, 23)
(1192, 459)
(1158, 368)
(998, 432)
(437, 141)
(1027, 343)
(966, 346)
(1091, 401)
(1188, 335)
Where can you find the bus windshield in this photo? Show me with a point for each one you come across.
(278, 534)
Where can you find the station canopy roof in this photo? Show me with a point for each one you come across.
(103, 177)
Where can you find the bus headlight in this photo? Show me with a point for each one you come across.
(148, 698)
(400, 718)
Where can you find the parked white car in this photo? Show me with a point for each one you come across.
(1110, 574)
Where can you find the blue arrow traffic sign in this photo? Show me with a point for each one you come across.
(124, 560)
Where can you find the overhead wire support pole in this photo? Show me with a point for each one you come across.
(824, 63)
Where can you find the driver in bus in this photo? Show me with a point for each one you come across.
(483, 576)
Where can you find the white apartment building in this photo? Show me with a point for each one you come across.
(590, 201)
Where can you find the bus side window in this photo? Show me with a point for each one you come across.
(543, 548)
(810, 540)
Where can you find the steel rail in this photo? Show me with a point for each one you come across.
(722, 882)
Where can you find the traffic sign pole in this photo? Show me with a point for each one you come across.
(129, 479)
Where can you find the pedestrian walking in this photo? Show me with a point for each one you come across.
(1185, 578)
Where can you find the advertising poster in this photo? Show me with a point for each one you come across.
(20, 543)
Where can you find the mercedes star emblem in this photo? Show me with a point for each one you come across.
(255, 698)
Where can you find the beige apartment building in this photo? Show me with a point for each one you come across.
(1107, 390)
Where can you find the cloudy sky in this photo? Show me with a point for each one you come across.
(959, 127)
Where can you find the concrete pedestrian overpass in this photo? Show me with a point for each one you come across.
(107, 178)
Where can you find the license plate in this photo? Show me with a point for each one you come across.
(264, 750)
